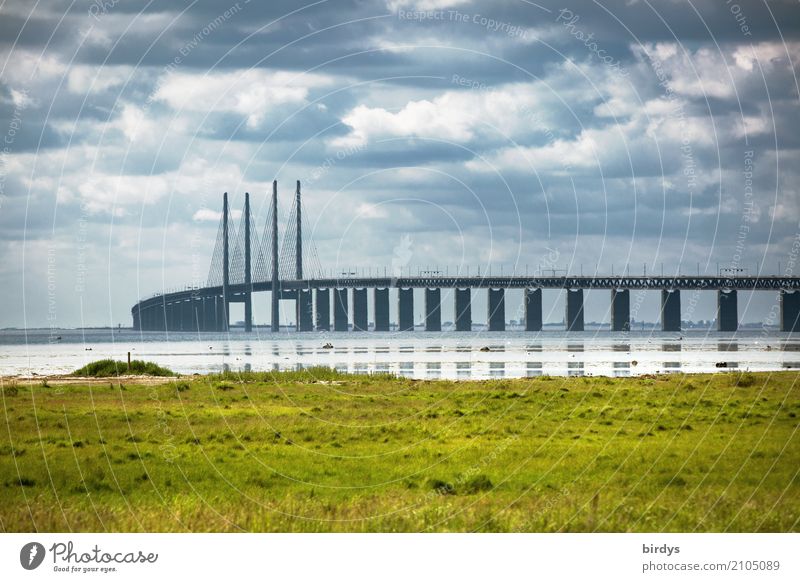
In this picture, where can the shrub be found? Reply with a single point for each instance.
(10, 390)
(224, 387)
(106, 368)
(744, 380)
(441, 487)
(182, 386)
(478, 483)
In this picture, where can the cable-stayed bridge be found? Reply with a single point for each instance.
(244, 263)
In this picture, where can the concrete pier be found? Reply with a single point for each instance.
(340, 310)
(463, 304)
(670, 310)
(381, 298)
(620, 310)
(433, 309)
(496, 317)
(305, 310)
(533, 310)
(222, 314)
(790, 311)
(574, 310)
(322, 301)
(727, 310)
(360, 316)
(188, 320)
(405, 309)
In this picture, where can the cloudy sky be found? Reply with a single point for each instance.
(567, 135)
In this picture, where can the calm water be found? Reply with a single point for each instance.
(476, 355)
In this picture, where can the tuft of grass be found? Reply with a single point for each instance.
(224, 386)
(477, 484)
(109, 368)
(744, 380)
(441, 487)
(182, 386)
(10, 390)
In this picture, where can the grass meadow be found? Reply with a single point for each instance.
(318, 451)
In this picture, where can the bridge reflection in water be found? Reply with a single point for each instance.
(244, 264)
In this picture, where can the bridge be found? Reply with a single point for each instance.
(244, 264)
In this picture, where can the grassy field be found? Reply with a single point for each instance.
(326, 452)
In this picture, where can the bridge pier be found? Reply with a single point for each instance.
(790, 310)
(221, 313)
(496, 317)
(360, 315)
(533, 309)
(187, 315)
(340, 310)
(433, 309)
(670, 310)
(305, 313)
(173, 317)
(574, 310)
(405, 309)
(322, 299)
(727, 310)
(209, 314)
(161, 316)
(620, 310)
(248, 312)
(463, 300)
(381, 297)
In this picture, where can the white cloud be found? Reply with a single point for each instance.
(252, 92)
(453, 115)
(395, 5)
(84, 78)
(208, 215)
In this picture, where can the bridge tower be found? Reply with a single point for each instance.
(248, 277)
(225, 265)
(276, 292)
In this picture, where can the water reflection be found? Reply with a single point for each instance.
(497, 369)
(533, 369)
(575, 369)
(450, 355)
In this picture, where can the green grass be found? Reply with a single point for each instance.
(109, 368)
(322, 451)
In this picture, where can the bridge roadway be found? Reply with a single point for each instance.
(206, 309)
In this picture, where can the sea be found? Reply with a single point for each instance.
(419, 354)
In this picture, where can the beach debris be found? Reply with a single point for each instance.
(327, 346)
(721, 365)
(634, 363)
(485, 349)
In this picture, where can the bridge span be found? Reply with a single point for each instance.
(341, 304)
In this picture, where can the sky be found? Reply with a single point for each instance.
(579, 136)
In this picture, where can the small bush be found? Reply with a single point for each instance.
(478, 483)
(744, 380)
(10, 390)
(441, 487)
(224, 387)
(108, 368)
(182, 386)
